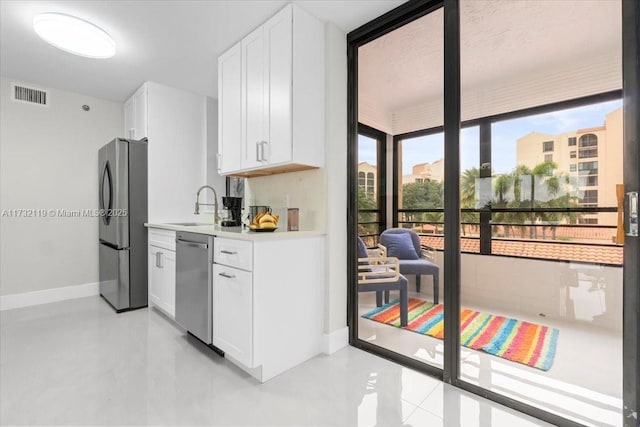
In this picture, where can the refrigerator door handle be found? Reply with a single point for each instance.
(106, 209)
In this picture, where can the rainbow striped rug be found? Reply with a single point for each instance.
(523, 342)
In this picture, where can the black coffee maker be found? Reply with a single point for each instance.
(234, 206)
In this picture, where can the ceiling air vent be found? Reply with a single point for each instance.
(30, 95)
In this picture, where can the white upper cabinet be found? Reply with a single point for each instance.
(281, 112)
(230, 110)
(135, 115)
(253, 97)
(175, 123)
(278, 47)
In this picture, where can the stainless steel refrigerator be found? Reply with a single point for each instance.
(122, 192)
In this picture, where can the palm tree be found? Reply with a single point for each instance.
(554, 185)
(544, 180)
(468, 195)
(505, 184)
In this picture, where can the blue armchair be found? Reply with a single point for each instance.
(404, 244)
(380, 274)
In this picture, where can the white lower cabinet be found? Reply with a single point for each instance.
(268, 302)
(162, 271)
(233, 312)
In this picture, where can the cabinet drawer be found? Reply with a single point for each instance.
(162, 238)
(234, 253)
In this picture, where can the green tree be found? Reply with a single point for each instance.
(468, 181)
(365, 201)
(526, 186)
(422, 195)
(508, 190)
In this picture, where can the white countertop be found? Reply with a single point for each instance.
(236, 232)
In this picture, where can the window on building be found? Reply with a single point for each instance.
(572, 154)
(590, 181)
(588, 140)
(548, 158)
(547, 146)
(590, 197)
(587, 153)
(588, 221)
(361, 180)
(572, 141)
(588, 168)
(371, 182)
(573, 167)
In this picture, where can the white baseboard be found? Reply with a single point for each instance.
(26, 299)
(335, 340)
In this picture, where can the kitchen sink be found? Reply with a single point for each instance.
(190, 224)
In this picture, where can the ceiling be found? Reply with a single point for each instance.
(171, 42)
(500, 41)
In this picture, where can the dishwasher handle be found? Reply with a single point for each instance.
(192, 244)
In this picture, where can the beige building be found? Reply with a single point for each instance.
(367, 179)
(591, 157)
(425, 172)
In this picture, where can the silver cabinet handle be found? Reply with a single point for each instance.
(159, 259)
(264, 156)
(192, 244)
(228, 276)
(631, 208)
(219, 162)
(224, 251)
(258, 151)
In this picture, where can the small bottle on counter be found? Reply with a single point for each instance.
(293, 219)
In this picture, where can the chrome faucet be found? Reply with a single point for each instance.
(214, 204)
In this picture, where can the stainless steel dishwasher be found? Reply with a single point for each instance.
(194, 257)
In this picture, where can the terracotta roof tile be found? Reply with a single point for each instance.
(603, 254)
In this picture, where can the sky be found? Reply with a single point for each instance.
(503, 135)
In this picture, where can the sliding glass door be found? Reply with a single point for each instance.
(515, 161)
(399, 300)
(541, 296)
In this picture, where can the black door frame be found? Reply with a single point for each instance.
(631, 156)
(381, 153)
(631, 100)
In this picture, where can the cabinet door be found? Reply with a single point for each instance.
(162, 279)
(140, 113)
(155, 277)
(253, 99)
(129, 118)
(278, 47)
(230, 110)
(233, 313)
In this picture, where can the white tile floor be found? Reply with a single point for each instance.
(584, 383)
(78, 363)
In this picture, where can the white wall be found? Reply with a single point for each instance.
(305, 190)
(567, 291)
(49, 160)
(336, 172)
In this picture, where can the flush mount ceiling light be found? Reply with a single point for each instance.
(74, 35)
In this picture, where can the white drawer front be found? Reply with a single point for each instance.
(162, 238)
(234, 253)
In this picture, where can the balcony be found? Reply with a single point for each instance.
(569, 278)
